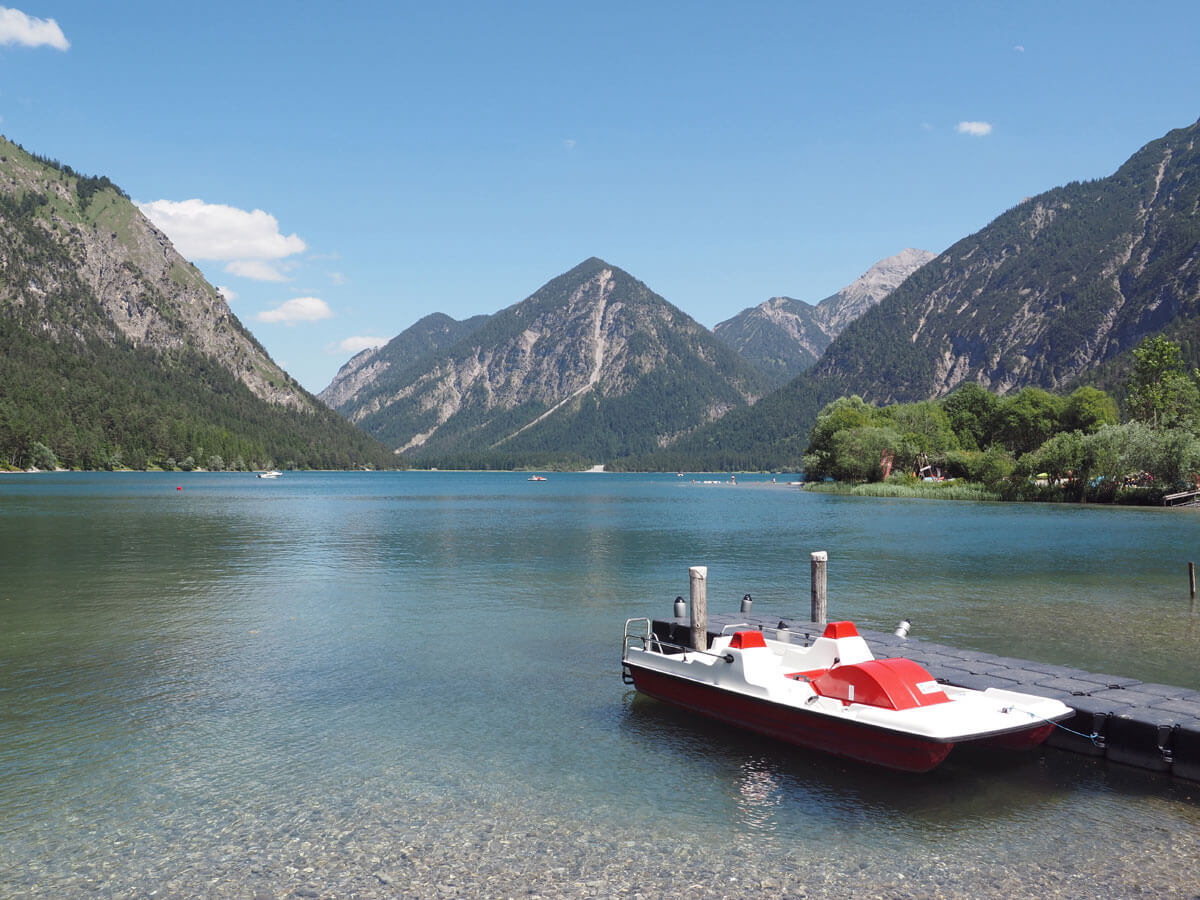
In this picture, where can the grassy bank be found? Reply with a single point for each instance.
(925, 490)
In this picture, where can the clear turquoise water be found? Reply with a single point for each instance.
(407, 672)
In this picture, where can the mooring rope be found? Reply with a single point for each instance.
(1094, 737)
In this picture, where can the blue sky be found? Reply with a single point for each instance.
(342, 170)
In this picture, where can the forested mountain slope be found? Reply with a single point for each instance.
(591, 367)
(114, 350)
(1056, 286)
(1052, 292)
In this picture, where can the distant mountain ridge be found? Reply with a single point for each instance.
(783, 336)
(364, 374)
(592, 366)
(117, 351)
(1050, 290)
(1053, 292)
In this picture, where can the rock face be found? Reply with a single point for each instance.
(115, 352)
(77, 243)
(592, 366)
(1051, 290)
(783, 337)
(370, 370)
(869, 289)
(1054, 293)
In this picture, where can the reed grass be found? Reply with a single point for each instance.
(925, 490)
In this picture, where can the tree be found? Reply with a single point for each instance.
(971, 410)
(1171, 457)
(1088, 409)
(1064, 459)
(1026, 421)
(992, 467)
(858, 452)
(41, 456)
(842, 414)
(1161, 392)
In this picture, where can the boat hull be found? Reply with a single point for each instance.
(1019, 740)
(893, 750)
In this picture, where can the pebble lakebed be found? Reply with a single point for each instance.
(446, 845)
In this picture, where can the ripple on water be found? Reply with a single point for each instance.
(231, 695)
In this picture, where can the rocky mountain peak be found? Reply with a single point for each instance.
(594, 363)
(839, 310)
(783, 336)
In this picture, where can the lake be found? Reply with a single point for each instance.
(408, 685)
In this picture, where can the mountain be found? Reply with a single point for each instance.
(377, 370)
(1053, 293)
(1053, 288)
(114, 350)
(783, 337)
(591, 367)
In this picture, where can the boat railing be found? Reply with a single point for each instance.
(646, 639)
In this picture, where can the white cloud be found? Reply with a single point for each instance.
(974, 129)
(256, 269)
(18, 28)
(1019, 48)
(228, 294)
(358, 343)
(247, 240)
(299, 309)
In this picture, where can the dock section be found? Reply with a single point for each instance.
(1151, 726)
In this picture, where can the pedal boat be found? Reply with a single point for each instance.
(833, 696)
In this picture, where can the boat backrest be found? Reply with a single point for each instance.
(753, 658)
(719, 643)
(827, 651)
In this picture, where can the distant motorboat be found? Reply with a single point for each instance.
(271, 474)
(537, 478)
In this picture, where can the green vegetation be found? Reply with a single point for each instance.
(1161, 391)
(1032, 445)
(76, 393)
(105, 406)
(897, 487)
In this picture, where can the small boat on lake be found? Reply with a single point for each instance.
(270, 474)
(537, 478)
(833, 695)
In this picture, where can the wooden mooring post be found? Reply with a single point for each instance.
(698, 576)
(820, 560)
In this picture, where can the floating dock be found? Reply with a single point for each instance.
(1151, 726)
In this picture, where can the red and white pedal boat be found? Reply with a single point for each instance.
(834, 696)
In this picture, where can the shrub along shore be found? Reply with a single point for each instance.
(1031, 445)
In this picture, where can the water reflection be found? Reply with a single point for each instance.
(779, 789)
(758, 794)
(240, 664)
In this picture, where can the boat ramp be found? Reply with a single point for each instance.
(1151, 726)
